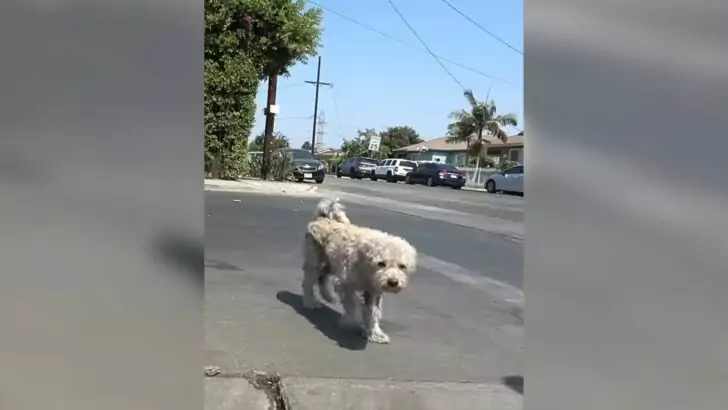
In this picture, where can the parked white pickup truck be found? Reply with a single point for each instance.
(393, 170)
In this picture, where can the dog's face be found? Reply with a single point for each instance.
(392, 264)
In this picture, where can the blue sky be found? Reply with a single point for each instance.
(379, 82)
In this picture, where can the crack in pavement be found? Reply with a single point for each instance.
(270, 384)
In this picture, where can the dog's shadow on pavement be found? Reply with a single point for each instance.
(326, 320)
(515, 383)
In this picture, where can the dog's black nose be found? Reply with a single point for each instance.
(392, 283)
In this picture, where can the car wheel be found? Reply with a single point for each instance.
(352, 174)
(457, 187)
(373, 176)
(320, 181)
(408, 180)
(490, 186)
(390, 178)
(338, 173)
(430, 181)
(300, 180)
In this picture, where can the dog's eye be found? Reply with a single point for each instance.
(402, 267)
(382, 264)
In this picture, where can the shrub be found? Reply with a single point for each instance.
(507, 164)
(280, 167)
(487, 162)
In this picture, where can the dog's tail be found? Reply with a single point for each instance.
(332, 209)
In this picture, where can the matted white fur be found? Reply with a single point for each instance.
(360, 263)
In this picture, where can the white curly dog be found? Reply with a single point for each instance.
(360, 263)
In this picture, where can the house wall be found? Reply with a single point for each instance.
(447, 157)
(506, 154)
(457, 158)
(515, 154)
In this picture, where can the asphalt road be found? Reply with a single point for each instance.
(507, 207)
(450, 325)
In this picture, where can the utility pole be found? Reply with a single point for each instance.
(270, 111)
(317, 83)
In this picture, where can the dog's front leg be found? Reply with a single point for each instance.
(351, 304)
(372, 318)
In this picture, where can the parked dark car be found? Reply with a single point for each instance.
(357, 167)
(434, 174)
(303, 165)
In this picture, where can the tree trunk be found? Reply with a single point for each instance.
(477, 159)
(269, 124)
(467, 153)
(477, 170)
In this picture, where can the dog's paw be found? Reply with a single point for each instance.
(312, 304)
(378, 337)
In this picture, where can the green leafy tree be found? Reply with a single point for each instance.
(359, 146)
(278, 34)
(306, 145)
(399, 136)
(472, 125)
(230, 83)
(247, 41)
(279, 141)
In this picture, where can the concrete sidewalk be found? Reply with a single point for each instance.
(299, 393)
(262, 187)
(223, 393)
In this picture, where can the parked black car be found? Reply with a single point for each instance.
(434, 174)
(357, 167)
(303, 165)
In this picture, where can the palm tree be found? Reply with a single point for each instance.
(469, 126)
(462, 129)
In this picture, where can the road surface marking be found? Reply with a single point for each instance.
(501, 292)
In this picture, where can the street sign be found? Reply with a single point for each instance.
(374, 142)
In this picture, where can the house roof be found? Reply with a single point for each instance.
(328, 151)
(441, 144)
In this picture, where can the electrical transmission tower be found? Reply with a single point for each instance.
(320, 125)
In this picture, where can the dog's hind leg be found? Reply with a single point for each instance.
(310, 280)
(372, 313)
(352, 306)
(312, 261)
(325, 286)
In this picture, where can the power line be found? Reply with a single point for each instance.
(404, 20)
(336, 112)
(478, 25)
(294, 118)
(405, 43)
(294, 85)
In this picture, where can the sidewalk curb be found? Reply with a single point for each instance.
(335, 394)
(228, 393)
(262, 187)
(253, 390)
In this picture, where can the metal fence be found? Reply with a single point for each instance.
(482, 177)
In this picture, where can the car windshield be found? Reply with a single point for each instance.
(298, 154)
(369, 161)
